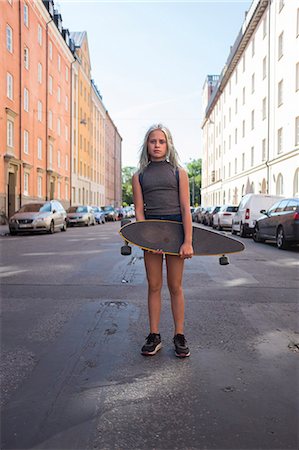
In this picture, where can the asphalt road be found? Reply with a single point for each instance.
(74, 318)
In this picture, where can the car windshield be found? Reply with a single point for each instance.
(34, 207)
(232, 209)
(95, 209)
(107, 208)
(77, 209)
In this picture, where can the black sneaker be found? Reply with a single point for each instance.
(152, 344)
(181, 347)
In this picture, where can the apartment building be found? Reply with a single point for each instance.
(35, 151)
(250, 123)
(113, 191)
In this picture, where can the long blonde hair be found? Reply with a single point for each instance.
(171, 155)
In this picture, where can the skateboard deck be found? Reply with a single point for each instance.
(168, 236)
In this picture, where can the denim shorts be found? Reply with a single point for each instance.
(172, 217)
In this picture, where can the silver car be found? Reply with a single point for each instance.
(80, 215)
(42, 216)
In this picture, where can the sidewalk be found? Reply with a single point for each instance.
(4, 230)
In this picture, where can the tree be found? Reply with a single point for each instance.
(127, 193)
(194, 174)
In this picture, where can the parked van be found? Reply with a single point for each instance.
(249, 211)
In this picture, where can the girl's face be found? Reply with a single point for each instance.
(157, 146)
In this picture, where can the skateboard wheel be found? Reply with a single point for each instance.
(125, 222)
(126, 250)
(223, 261)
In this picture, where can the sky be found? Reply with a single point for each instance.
(149, 59)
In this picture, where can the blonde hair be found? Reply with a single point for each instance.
(171, 155)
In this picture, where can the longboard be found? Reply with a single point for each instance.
(168, 236)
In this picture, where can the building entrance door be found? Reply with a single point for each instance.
(11, 193)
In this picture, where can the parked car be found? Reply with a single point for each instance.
(205, 214)
(110, 213)
(121, 213)
(249, 211)
(196, 215)
(280, 223)
(41, 216)
(80, 215)
(214, 210)
(99, 214)
(223, 218)
(130, 211)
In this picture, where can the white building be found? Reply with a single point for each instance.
(251, 117)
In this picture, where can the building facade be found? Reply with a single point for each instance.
(251, 117)
(113, 190)
(52, 119)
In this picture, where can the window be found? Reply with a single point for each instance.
(252, 83)
(280, 45)
(236, 165)
(66, 191)
(297, 27)
(264, 108)
(66, 162)
(26, 183)
(297, 131)
(9, 86)
(26, 142)
(280, 93)
(58, 127)
(39, 73)
(39, 186)
(243, 62)
(66, 103)
(236, 75)
(10, 134)
(252, 119)
(50, 50)
(236, 106)
(297, 77)
(243, 161)
(26, 100)
(59, 190)
(253, 46)
(58, 158)
(229, 169)
(50, 84)
(58, 94)
(279, 185)
(66, 73)
(264, 67)
(243, 128)
(264, 27)
(279, 140)
(236, 135)
(252, 156)
(50, 120)
(39, 148)
(39, 34)
(50, 155)
(9, 41)
(59, 63)
(39, 110)
(26, 15)
(229, 142)
(243, 95)
(26, 58)
(229, 114)
(66, 132)
(264, 150)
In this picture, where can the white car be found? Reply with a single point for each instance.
(249, 210)
(80, 215)
(223, 218)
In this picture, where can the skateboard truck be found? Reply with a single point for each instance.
(223, 260)
(126, 249)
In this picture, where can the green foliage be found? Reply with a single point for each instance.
(127, 194)
(194, 173)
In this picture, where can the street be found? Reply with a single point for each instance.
(74, 318)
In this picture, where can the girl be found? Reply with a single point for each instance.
(161, 191)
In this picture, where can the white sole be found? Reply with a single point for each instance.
(159, 346)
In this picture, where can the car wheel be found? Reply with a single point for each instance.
(219, 227)
(242, 230)
(233, 231)
(87, 223)
(52, 227)
(13, 232)
(64, 226)
(280, 239)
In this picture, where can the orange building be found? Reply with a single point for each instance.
(113, 177)
(35, 104)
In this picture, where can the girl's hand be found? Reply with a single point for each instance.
(186, 251)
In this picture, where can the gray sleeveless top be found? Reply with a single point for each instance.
(160, 188)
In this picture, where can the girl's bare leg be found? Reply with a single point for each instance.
(175, 267)
(153, 265)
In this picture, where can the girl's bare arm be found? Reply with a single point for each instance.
(138, 197)
(186, 250)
